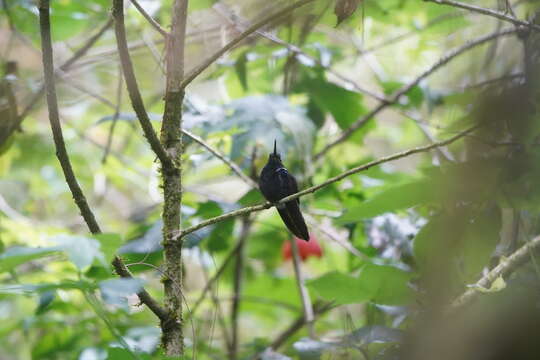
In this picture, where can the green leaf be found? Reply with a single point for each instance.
(118, 353)
(345, 106)
(17, 255)
(252, 197)
(45, 299)
(388, 284)
(80, 250)
(115, 291)
(341, 288)
(391, 199)
(429, 240)
(219, 238)
(26, 289)
(414, 97)
(381, 284)
(109, 244)
(481, 236)
(240, 66)
(209, 210)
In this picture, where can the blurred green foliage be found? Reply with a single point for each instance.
(426, 224)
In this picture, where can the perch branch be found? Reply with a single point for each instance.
(312, 189)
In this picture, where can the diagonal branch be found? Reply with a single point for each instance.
(133, 89)
(506, 267)
(312, 189)
(488, 12)
(63, 157)
(148, 18)
(63, 68)
(243, 24)
(406, 88)
(235, 168)
(250, 30)
(318, 309)
(56, 127)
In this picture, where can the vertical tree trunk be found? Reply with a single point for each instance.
(171, 139)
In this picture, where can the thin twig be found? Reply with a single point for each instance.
(63, 157)
(395, 39)
(217, 305)
(488, 12)
(235, 168)
(115, 117)
(253, 28)
(318, 309)
(133, 89)
(406, 88)
(343, 243)
(267, 205)
(238, 278)
(302, 289)
(506, 267)
(216, 276)
(63, 68)
(148, 18)
(243, 24)
(83, 89)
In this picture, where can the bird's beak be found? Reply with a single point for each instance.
(275, 148)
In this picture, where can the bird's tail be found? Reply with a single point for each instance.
(292, 217)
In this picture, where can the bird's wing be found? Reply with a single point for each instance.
(287, 183)
(290, 213)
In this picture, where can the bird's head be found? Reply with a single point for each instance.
(274, 157)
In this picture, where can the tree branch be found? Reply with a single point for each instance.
(148, 18)
(307, 306)
(406, 88)
(506, 267)
(243, 24)
(312, 189)
(235, 168)
(238, 278)
(171, 139)
(488, 12)
(63, 157)
(63, 68)
(52, 104)
(253, 28)
(318, 309)
(133, 89)
(213, 279)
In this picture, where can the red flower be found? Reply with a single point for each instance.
(306, 248)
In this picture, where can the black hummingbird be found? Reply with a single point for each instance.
(276, 183)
